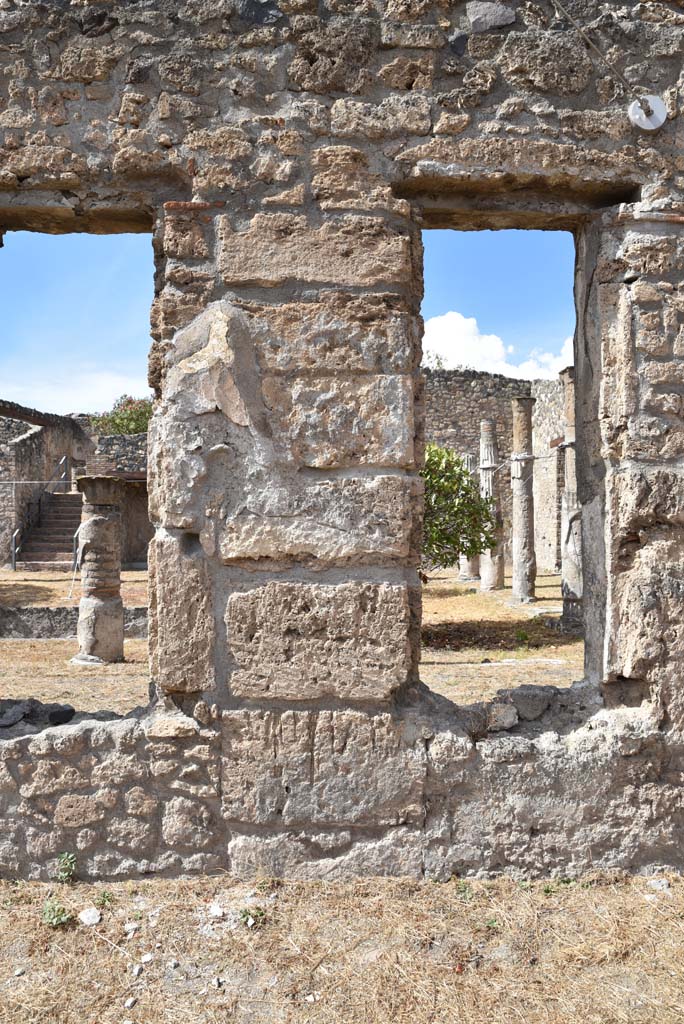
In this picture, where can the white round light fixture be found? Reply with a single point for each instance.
(649, 113)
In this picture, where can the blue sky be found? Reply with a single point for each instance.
(75, 310)
(500, 300)
(75, 319)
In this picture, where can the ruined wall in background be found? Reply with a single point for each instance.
(30, 460)
(137, 531)
(118, 453)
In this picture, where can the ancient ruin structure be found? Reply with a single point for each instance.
(455, 402)
(522, 485)
(100, 611)
(40, 456)
(492, 567)
(469, 568)
(571, 517)
(286, 155)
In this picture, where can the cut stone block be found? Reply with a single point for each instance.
(342, 520)
(281, 247)
(299, 641)
(334, 423)
(305, 767)
(396, 115)
(339, 332)
(181, 618)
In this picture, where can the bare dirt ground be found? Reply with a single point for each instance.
(51, 589)
(41, 669)
(473, 645)
(376, 951)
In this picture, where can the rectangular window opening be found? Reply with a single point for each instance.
(74, 348)
(499, 319)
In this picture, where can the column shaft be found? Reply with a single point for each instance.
(491, 562)
(571, 516)
(100, 612)
(469, 568)
(522, 485)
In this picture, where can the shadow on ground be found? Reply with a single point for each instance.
(20, 595)
(492, 634)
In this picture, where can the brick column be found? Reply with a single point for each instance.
(492, 561)
(571, 515)
(522, 484)
(100, 612)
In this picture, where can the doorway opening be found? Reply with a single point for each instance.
(499, 319)
(74, 407)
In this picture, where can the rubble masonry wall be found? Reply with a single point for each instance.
(286, 156)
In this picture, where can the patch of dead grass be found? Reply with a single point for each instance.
(42, 669)
(475, 644)
(373, 951)
(50, 589)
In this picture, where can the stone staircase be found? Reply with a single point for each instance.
(49, 545)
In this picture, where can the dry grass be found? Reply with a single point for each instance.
(51, 589)
(41, 669)
(475, 644)
(375, 951)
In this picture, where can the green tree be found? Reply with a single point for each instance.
(127, 416)
(457, 520)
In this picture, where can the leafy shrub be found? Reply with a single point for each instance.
(127, 416)
(55, 915)
(457, 520)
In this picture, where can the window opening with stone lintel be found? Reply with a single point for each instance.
(498, 361)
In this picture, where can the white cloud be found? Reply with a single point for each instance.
(456, 340)
(79, 391)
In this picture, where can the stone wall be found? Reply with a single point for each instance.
(59, 623)
(27, 463)
(135, 523)
(455, 403)
(10, 429)
(118, 453)
(286, 156)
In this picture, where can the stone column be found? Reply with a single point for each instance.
(522, 485)
(100, 612)
(469, 568)
(571, 515)
(491, 562)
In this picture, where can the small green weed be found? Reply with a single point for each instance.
(464, 891)
(55, 915)
(266, 886)
(522, 638)
(66, 867)
(253, 917)
(104, 899)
